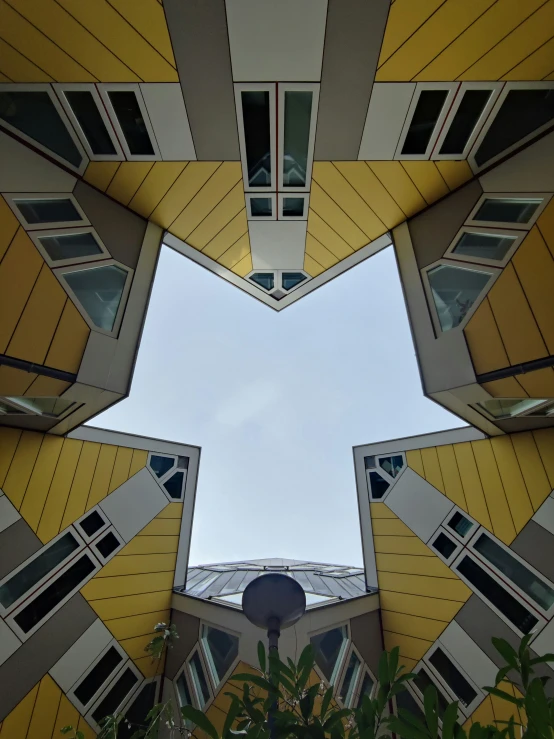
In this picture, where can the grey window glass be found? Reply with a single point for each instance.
(183, 691)
(460, 524)
(98, 676)
(52, 556)
(87, 114)
(8, 409)
(99, 291)
(454, 290)
(379, 486)
(264, 279)
(174, 485)
(107, 544)
(422, 681)
(350, 678)
(424, 120)
(293, 207)
(70, 246)
(514, 570)
(452, 677)
(160, 465)
(298, 115)
(199, 680)
(292, 279)
(136, 715)
(53, 210)
(510, 407)
(392, 465)
(546, 410)
(116, 695)
(507, 210)
(51, 596)
(261, 207)
(464, 121)
(255, 114)
(405, 701)
(484, 246)
(35, 115)
(444, 545)
(521, 113)
(222, 650)
(328, 648)
(92, 523)
(52, 407)
(366, 688)
(369, 463)
(129, 115)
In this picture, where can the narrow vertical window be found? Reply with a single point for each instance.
(88, 116)
(465, 119)
(428, 109)
(298, 115)
(131, 120)
(257, 138)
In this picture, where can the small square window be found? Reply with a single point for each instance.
(293, 207)
(379, 486)
(444, 545)
(392, 465)
(107, 544)
(460, 524)
(369, 463)
(265, 280)
(92, 523)
(261, 207)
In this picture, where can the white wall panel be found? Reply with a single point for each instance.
(9, 642)
(8, 512)
(81, 655)
(23, 170)
(276, 40)
(278, 244)
(471, 658)
(545, 515)
(386, 114)
(134, 504)
(545, 640)
(421, 506)
(168, 116)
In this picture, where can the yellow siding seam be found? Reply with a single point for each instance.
(544, 439)
(515, 488)
(493, 490)
(531, 467)
(451, 475)
(10, 439)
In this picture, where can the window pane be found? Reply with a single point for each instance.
(5, 409)
(264, 279)
(127, 110)
(367, 687)
(369, 463)
(298, 114)
(255, 113)
(55, 210)
(426, 114)
(379, 486)
(116, 695)
(515, 571)
(521, 113)
(99, 291)
(328, 649)
(32, 573)
(70, 246)
(422, 681)
(460, 524)
(392, 465)
(35, 115)
(444, 545)
(54, 594)
(497, 595)
(546, 410)
(222, 649)
(174, 485)
(507, 210)
(464, 122)
(98, 676)
(510, 407)
(160, 465)
(52, 407)
(454, 290)
(292, 279)
(452, 677)
(199, 679)
(86, 111)
(350, 677)
(107, 544)
(137, 713)
(261, 207)
(183, 691)
(406, 701)
(293, 207)
(484, 246)
(92, 523)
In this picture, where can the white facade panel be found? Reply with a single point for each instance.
(69, 668)
(278, 244)
(23, 170)
(168, 116)
(471, 658)
(8, 512)
(385, 118)
(545, 640)
(545, 515)
(418, 504)
(9, 643)
(276, 41)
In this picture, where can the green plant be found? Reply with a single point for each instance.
(164, 637)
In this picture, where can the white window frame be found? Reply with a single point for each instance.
(47, 88)
(36, 237)
(192, 686)
(342, 675)
(294, 194)
(336, 676)
(60, 90)
(161, 480)
(83, 707)
(487, 231)
(12, 197)
(447, 694)
(59, 272)
(135, 694)
(18, 403)
(494, 273)
(215, 684)
(278, 280)
(107, 523)
(465, 710)
(257, 87)
(524, 414)
(495, 88)
(508, 87)
(451, 88)
(111, 530)
(363, 672)
(100, 697)
(183, 672)
(457, 546)
(545, 196)
(282, 88)
(386, 477)
(253, 195)
(455, 534)
(106, 87)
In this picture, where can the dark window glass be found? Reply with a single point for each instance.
(116, 695)
(160, 465)
(460, 524)
(422, 681)
(223, 649)
(379, 486)
(174, 485)
(392, 465)
(292, 279)
(35, 115)
(507, 210)
(350, 677)
(424, 120)
(521, 113)
(444, 545)
(70, 246)
(99, 290)
(261, 207)
(406, 701)
(54, 593)
(86, 111)
(497, 595)
(183, 691)
(367, 687)
(98, 676)
(107, 544)
(484, 246)
(127, 110)
(328, 650)
(137, 712)
(56, 210)
(464, 122)
(293, 207)
(92, 523)
(369, 463)
(298, 114)
(255, 114)
(199, 679)
(452, 677)
(31, 574)
(264, 279)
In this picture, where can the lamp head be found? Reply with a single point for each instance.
(272, 598)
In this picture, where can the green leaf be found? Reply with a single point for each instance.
(393, 662)
(501, 674)
(524, 643)
(232, 712)
(261, 656)
(326, 702)
(545, 658)
(306, 705)
(384, 670)
(66, 729)
(430, 700)
(405, 730)
(200, 719)
(449, 720)
(335, 717)
(261, 682)
(409, 718)
(505, 696)
(306, 660)
(507, 651)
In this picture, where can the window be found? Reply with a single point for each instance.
(161, 464)
(221, 650)
(261, 207)
(501, 408)
(116, 695)
(452, 677)
(136, 715)
(132, 120)
(422, 681)
(454, 292)
(444, 545)
(256, 117)
(84, 106)
(381, 473)
(199, 681)
(174, 485)
(507, 210)
(467, 116)
(392, 465)
(70, 246)
(183, 691)
(460, 524)
(485, 246)
(171, 472)
(39, 211)
(366, 688)
(91, 684)
(107, 545)
(296, 137)
(92, 523)
(291, 280)
(425, 117)
(315, 599)
(378, 485)
(350, 678)
(293, 207)
(266, 280)
(47, 407)
(405, 701)
(329, 650)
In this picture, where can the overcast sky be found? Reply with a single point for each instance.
(276, 401)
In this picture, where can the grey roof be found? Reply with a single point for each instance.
(225, 579)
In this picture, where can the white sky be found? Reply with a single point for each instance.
(276, 401)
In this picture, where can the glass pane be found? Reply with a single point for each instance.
(174, 485)
(426, 115)
(292, 279)
(222, 649)
(392, 465)
(298, 115)
(444, 545)
(107, 544)
(497, 595)
(328, 649)
(369, 463)
(484, 246)
(264, 279)
(199, 679)
(89, 118)
(422, 681)
(261, 207)
(41, 566)
(452, 677)
(53, 407)
(116, 696)
(54, 594)
(407, 702)
(507, 210)
(314, 599)
(160, 465)
(521, 113)
(127, 110)
(464, 122)
(98, 675)
(135, 717)
(70, 246)
(460, 524)
(92, 523)
(515, 571)
(546, 410)
(293, 207)
(350, 677)
(454, 290)
(510, 407)
(255, 114)
(35, 115)
(99, 291)
(367, 687)
(379, 486)
(183, 691)
(55, 210)
(5, 409)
